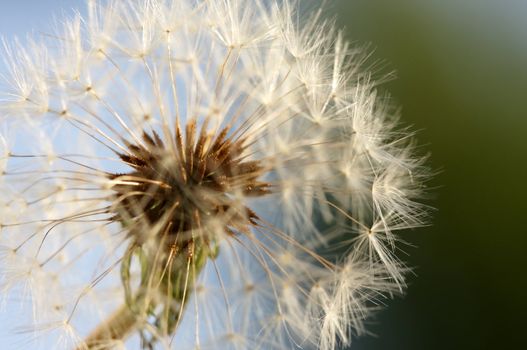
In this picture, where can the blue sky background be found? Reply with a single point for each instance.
(20, 17)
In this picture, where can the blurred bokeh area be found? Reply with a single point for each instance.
(461, 80)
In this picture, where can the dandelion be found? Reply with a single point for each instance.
(189, 174)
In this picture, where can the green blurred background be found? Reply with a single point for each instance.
(462, 81)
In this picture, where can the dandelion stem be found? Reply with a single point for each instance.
(175, 277)
(117, 327)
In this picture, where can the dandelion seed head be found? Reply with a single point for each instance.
(200, 174)
(186, 186)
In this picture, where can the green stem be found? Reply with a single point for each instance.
(118, 326)
(165, 287)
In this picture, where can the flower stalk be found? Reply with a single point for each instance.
(162, 294)
(118, 326)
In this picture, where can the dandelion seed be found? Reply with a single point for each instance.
(199, 174)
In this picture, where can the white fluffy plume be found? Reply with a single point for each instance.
(186, 174)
